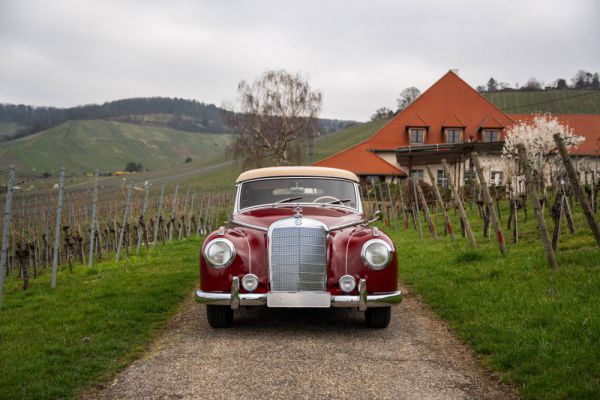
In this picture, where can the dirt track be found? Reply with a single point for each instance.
(321, 354)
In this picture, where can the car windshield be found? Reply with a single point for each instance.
(298, 190)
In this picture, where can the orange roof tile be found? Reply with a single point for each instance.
(587, 125)
(417, 121)
(450, 95)
(361, 161)
(453, 122)
(490, 122)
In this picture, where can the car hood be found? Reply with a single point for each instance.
(330, 216)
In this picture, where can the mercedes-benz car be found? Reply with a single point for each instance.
(298, 237)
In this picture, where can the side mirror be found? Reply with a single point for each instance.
(377, 217)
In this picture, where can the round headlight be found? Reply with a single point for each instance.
(376, 254)
(347, 283)
(219, 253)
(250, 282)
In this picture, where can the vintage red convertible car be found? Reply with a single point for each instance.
(298, 238)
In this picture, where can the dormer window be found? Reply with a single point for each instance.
(416, 135)
(454, 135)
(490, 135)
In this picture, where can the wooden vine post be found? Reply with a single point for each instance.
(93, 221)
(438, 196)
(459, 204)
(416, 212)
(6, 226)
(61, 184)
(489, 202)
(405, 220)
(173, 213)
(125, 219)
(537, 208)
(143, 230)
(393, 207)
(430, 223)
(159, 214)
(587, 210)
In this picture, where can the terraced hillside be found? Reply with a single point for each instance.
(553, 101)
(81, 146)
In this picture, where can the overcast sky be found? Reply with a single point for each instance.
(360, 54)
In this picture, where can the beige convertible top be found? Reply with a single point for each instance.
(296, 171)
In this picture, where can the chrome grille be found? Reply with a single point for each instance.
(298, 258)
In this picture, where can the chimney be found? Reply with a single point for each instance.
(454, 70)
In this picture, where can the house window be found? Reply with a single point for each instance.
(453, 135)
(418, 173)
(442, 179)
(496, 178)
(490, 135)
(417, 135)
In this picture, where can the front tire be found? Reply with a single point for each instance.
(219, 316)
(378, 317)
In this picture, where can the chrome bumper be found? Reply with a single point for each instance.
(362, 301)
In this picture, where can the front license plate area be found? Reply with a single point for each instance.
(299, 300)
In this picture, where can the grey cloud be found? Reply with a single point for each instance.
(360, 54)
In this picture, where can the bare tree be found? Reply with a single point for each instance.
(407, 96)
(276, 114)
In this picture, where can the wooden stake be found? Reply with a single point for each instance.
(125, 219)
(459, 204)
(93, 221)
(438, 196)
(587, 211)
(537, 208)
(57, 229)
(425, 208)
(6, 226)
(490, 203)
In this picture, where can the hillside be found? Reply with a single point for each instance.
(553, 101)
(181, 114)
(330, 144)
(81, 146)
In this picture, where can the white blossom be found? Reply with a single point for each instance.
(537, 137)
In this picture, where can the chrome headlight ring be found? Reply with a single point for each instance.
(376, 254)
(219, 253)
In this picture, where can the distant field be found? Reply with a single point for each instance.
(553, 101)
(82, 146)
(338, 141)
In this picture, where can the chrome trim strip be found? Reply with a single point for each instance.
(260, 299)
(347, 225)
(250, 226)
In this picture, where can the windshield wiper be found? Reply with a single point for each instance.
(288, 199)
(337, 201)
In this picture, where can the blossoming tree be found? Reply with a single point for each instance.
(536, 137)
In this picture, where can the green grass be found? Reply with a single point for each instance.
(341, 140)
(554, 101)
(82, 146)
(56, 343)
(539, 328)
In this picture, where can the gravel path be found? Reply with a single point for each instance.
(322, 354)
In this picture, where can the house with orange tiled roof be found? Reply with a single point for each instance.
(448, 121)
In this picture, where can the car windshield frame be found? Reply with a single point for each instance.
(239, 209)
